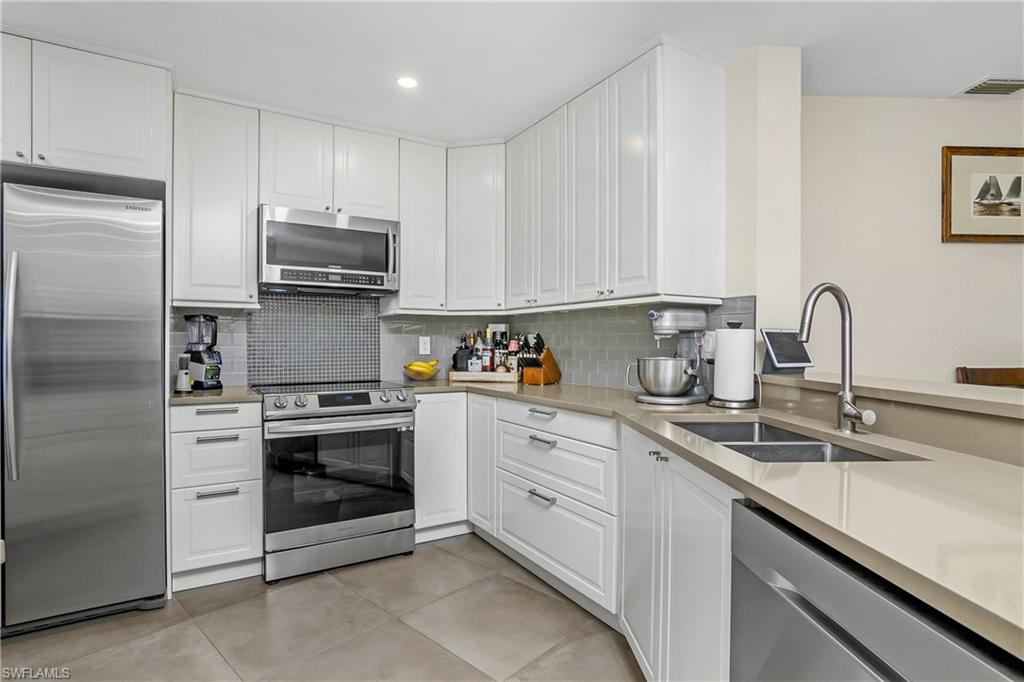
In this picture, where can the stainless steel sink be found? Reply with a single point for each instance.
(767, 443)
(801, 452)
(742, 432)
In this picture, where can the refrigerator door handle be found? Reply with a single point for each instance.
(10, 441)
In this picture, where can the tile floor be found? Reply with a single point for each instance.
(457, 609)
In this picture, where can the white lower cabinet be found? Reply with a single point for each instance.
(440, 459)
(572, 541)
(216, 477)
(675, 564)
(481, 446)
(215, 525)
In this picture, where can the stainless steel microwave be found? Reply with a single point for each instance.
(304, 250)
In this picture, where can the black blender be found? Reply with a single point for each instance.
(204, 360)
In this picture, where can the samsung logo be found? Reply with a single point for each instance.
(138, 207)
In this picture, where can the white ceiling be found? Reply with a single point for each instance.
(488, 70)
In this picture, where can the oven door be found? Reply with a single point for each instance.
(337, 477)
(307, 248)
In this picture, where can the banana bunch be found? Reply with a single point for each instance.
(420, 370)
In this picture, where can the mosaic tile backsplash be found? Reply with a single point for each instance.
(311, 338)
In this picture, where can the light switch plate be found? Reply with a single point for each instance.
(424, 345)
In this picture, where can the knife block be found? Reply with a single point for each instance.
(548, 373)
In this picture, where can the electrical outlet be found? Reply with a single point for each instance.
(424, 345)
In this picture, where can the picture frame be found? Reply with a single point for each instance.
(981, 194)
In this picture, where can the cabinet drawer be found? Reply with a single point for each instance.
(585, 472)
(216, 524)
(209, 457)
(576, 543)
(210, 417)
(584, 427)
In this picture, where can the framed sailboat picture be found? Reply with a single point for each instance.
(981, 194)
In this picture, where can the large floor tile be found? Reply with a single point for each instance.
(202, 600)
(470, 546)
(403, 583)
(520, 574)
(57, 646)
(497, 624)
(289, 624)
(180, 652)
(595, 652)
(394, 651)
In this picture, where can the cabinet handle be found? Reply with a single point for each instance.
(20, 155)
(204, 494)
(654, 453)
(218, 439)
(499, 304)
(661, 458)
(231, 409)
(441, 304)
(42, 157)
(549, 500)
(327, 208)
(611, 291)
(545, 413)
(545, 441)
(339, 210)
(600, 292)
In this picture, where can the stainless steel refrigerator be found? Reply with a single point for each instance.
(83, 372)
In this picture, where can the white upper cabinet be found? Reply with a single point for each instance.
(549, 223)
(296, 162)
(100, 114)
(422, 242)
(587, 190)
(16, 94)
(365, 174)
(476, 228)
(214, 238)
(632, 121)
(520, 216)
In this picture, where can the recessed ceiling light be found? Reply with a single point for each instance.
(407, 82)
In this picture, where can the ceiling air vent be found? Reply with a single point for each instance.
(996, 86)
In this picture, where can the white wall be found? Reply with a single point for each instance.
(871, 223)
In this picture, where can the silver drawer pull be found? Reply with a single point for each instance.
(230, 409)
(218, 439)
(549, 500)
(545, 441)
(205, 494)
(546, 413)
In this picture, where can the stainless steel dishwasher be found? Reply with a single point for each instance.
(801, 611)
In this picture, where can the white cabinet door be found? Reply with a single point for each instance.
(16, 93)
(632, 120)
(440, 459)
(519, 259)
(481, 443)
(296, 162)
(100, 114)
(641, 551)
(476, 228)
(365, 174)
(216, 171)
(216, 524)
(422, 242)
(587, 194)
(697, 559)
(550, 210)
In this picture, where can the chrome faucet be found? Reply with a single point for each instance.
(847, 412)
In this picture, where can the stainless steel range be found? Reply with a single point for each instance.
(338, 474)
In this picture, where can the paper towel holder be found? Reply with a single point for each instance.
(739, 404)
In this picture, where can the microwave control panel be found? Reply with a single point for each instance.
(335, 278)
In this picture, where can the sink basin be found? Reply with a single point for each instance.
(802, 452)
(746, 432)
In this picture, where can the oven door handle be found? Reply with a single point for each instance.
(319, 428)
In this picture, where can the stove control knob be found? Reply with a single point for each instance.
(301, 401)
(385, 397)
(280, 402)
(402, 397)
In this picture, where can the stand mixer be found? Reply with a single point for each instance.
(676, 380)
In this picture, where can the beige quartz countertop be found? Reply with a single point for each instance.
(947, 528)
(228, 394)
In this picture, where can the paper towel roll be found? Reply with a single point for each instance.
(734, 364)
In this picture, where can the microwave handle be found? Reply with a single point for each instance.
(392, 254)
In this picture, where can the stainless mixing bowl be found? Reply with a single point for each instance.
(664, 376)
